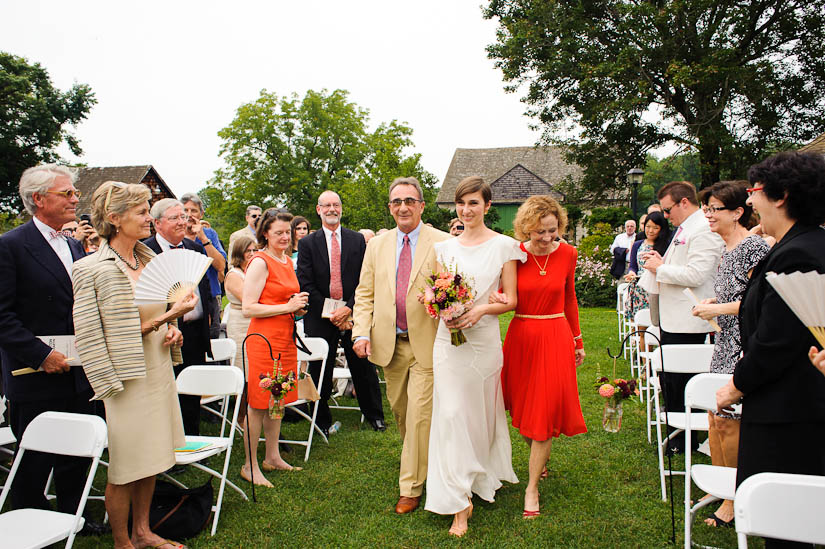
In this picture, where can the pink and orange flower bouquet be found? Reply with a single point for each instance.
(447, 296)
(278, 385)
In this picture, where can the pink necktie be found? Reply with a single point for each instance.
(336, 290)
(402, 280)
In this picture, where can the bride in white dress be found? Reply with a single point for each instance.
(469, 438)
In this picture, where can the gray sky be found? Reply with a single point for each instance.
(168, 75)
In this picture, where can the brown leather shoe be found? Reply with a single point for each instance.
(406, 505)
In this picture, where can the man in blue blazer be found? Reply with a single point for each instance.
(170, 227)
(36, 300)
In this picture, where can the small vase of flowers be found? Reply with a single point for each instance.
(614, 393)
(278, 385)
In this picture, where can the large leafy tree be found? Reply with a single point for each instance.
(287, 150)
(35, 118)
(729, 79)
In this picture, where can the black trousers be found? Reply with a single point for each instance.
(794, 448)
(69, 472)
(364, 378)
(194, 352)
(673, 385)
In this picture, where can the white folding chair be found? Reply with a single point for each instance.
(7, 438)
(318, 348)
(211, 380)
(780, 506)
(678, 359)
(341, 372)
(621, 294)
(646, 383)
(718, 482)
(223, 349)
(641, 320)
(79, 435)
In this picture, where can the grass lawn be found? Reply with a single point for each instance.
(603, 489)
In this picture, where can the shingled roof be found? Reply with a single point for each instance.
(540, 170)
(89, 179)
(815, 146)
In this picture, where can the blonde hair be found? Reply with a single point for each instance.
(533, 210)
(115, 197)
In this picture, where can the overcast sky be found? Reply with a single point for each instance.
(168, 75)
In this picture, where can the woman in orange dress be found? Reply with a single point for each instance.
(271, 297)
(543, 346)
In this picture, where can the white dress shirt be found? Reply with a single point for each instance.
(197, 312)
(623, 240)
(58, 244)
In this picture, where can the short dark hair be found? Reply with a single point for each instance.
(799, 178)
(663, 238)
(270, 216)
(474, 184)
(407, 181)
(677, 190)
(733, 195)
(239, 246)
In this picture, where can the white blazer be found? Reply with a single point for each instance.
(690, 261)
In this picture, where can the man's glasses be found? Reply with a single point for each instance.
(335, 205)
(667, 210)
(408, 202)
(176, 218)
(254, 216)
(67, 194)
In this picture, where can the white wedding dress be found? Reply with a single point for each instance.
(470, 448)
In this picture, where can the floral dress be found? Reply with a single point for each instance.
(637, 298)
(731, 280)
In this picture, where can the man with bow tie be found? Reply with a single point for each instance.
(690, 261)
(36, 300)
(170, 226)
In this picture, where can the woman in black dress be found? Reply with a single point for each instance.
(783, 396)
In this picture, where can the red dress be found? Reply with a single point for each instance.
(539, 373)
(281, 283)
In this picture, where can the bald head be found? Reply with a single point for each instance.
(329, 209)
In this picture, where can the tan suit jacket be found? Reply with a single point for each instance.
(374, 312)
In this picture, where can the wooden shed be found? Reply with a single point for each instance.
(514, 174)
(89, 179)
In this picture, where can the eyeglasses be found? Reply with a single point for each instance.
(176, 218)
(67, 194)
(335, 205)
(408, 202)
(714, 209)
(667, 210)
(753, 190)
(254, 216)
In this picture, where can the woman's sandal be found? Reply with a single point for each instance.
(457, 532)
(175, 544)
(544, 473)
(717, 522)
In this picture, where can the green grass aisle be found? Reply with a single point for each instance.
(603, 489)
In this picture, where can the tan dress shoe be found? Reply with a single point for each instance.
(407, 505)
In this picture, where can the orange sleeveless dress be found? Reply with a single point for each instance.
(280, 285)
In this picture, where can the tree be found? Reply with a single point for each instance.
(34, 116)
(286, 150)
(732, 80)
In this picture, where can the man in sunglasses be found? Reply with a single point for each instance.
(253, 213)
(36, 300)
(689, 262)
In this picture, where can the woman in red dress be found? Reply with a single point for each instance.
(271, 297)
(543, 346)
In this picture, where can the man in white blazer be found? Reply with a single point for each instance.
(393, 329)
(690, 261)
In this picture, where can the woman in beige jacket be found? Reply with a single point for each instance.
(127, 353)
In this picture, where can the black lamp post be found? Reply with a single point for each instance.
(634, 177)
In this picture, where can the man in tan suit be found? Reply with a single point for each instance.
(252, 215)
(397, 334)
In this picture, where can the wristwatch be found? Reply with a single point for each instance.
(207, 243)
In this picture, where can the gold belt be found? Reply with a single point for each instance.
(541, 317)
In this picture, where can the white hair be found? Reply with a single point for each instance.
(40, 179)
(159, 208)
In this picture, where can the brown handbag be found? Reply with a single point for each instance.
(307, 390)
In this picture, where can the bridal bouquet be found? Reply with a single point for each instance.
(448, 296)
(278, 385)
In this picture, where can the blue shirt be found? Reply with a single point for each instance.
(211, 273)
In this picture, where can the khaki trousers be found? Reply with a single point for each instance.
(410, 392)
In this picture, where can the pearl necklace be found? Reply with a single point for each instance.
(134, 254)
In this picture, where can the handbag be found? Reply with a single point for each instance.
(180, 513)
(307, 390)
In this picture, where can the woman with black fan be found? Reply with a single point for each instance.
(127, 353)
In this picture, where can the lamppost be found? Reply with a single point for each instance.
(634, 177)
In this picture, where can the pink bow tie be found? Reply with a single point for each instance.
(56, 234)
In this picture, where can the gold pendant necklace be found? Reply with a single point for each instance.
(542, 270)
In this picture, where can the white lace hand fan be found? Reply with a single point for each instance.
(170, 276)
(804, 293)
